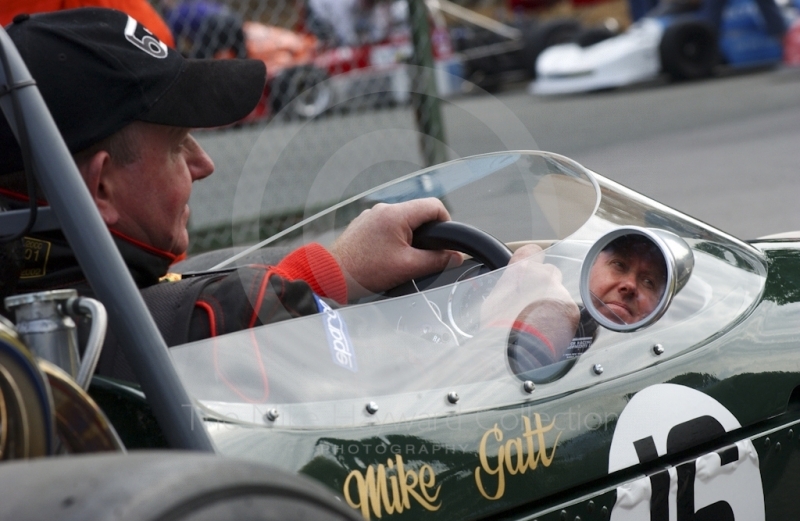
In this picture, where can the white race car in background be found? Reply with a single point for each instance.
(673, 39)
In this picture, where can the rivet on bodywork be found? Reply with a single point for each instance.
(778, 447)
(658, 349)
(529, 386)
(604, 512)
(372, 407)
(766, 442)
(272, 415)
(563, 514)
(590, 506)
(597, 368)
(790, 433)
(452, 397)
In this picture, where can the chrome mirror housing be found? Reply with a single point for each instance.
(631, 274)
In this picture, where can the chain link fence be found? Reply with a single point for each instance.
(352, 101)
(353, 93)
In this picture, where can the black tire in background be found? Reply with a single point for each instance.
(302, 91)
(161, 486)
(526, 27)
(546, 35)
(486, 71)
(689, 50)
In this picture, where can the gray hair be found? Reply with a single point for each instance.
(123, 146)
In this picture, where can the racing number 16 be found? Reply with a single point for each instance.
(680, 437)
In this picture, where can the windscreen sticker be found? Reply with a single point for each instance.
(36, 254)
(339, 343)
(578, 346)
(665, 419)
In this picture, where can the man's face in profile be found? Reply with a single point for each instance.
(627, 282)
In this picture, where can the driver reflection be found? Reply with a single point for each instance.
(628, 279)
(530, 305)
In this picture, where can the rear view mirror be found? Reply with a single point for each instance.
(630, 275)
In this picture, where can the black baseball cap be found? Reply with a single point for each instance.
(99, 70)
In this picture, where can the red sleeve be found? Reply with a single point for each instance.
(316, 266)
(11, 8)
(141, 10)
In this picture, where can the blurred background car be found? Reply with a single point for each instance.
(499, 47)
(675, 38)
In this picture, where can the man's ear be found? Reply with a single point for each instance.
(98, 173)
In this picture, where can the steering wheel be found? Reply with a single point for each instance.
(451, 235)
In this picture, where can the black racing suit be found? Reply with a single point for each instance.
(192, 308)
(528, 350)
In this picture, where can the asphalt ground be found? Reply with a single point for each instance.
(725, 150)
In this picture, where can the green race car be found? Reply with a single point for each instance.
(408, 406)
(413, 404)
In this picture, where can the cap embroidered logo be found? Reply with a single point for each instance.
(130, 74)
(148, 43)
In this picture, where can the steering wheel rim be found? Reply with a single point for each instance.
(452, 235)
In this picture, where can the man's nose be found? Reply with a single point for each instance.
(199, 162)
(627, 285)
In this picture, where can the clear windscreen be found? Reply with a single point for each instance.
(443, 346)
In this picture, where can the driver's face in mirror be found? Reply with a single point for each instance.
(628, 279)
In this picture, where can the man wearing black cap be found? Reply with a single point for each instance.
(124, 103)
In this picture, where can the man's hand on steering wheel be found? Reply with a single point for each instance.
(528, 295)
(375, 251)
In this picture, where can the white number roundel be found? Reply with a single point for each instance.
(724, 485)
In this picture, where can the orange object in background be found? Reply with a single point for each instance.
(278, 48)
(141, 10)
